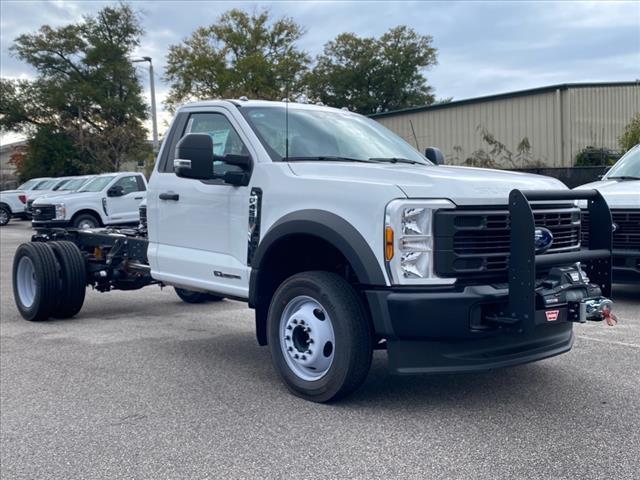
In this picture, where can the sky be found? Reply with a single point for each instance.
(483, 47)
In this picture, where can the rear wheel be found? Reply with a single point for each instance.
(35, 281)
(319, 336)
(73, 274)
(85, 221)
(189, 296)
(5, 215)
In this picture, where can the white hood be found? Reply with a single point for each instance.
(461, 185)
(618, 193)
(61, 197)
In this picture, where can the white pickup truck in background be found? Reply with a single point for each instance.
(343, 239)
(620, 187)
(107, 199)
(13, 203)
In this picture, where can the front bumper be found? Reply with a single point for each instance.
(626, 266)
(42, 224)
(443, 331)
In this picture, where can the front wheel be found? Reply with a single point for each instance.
(85, 221)
(319, 336)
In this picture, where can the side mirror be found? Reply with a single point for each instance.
(434, 155)
(115, 191)
(242, 161)
(194, 157)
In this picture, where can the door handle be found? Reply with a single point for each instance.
(137, 198)
(169, 196)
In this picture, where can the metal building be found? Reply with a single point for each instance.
(551, 125)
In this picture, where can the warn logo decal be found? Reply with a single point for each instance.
(552, 315)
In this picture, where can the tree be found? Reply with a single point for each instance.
(631, 135)
(86, 95)
(372, 75)
(241, 54)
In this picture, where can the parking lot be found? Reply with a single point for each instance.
(141, 385)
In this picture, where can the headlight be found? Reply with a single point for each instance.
(61, 211)
(409, 241)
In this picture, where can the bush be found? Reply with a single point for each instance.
(594, 157)
(631, 135)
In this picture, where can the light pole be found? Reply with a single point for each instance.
(154, 117)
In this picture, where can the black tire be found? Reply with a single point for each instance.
(353, 336)
(46, 280)
(85, 218)
(73, 279)
(189, 296)
(5, 215)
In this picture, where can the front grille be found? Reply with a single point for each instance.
(44, 212)
(476, 243)
(627, 233)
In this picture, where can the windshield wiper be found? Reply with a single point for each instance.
(394, 160)
(624, 177)
(325, 159)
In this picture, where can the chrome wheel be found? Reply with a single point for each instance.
(307, 339)
(86, 224)
(26, 282)
(4, 216)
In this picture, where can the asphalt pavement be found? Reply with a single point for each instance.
(141, 385)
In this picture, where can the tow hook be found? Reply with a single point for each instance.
(596, 310)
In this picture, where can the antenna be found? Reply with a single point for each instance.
(415, 138)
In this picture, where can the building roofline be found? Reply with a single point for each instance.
(503, 96)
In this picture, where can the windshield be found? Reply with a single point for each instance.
(28, 185)
(97, 184)
(60, 184)
(628, 166)
(73, 185)
(326, 135)
(48, 185)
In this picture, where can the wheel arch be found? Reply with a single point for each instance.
(6, 205)
(331, 242)
(90, 211)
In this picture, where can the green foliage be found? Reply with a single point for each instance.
(370, 75)
(498, 155)
(631, 135)
(86, 91)
(592, 156)
(50, 153)
(241, 54)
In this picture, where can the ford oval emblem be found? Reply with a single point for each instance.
(543, 239)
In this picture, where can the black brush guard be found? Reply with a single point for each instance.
(523, 261)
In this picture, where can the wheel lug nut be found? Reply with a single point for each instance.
(303, 357)
(309, 352)
(296, 356)
(295, 322)
(310, 341)
(289, 327)
(287, 337)
(301, 322)
(290, 349)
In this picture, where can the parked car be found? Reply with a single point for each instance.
(620, 186)
(13, 202)
(107, 199)
(62, 186)
(342, 238)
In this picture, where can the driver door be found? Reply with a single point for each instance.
(124, 208)
(201, 228)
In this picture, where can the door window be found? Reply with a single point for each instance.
(225, 139)
(129, 184)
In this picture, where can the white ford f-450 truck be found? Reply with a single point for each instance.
(343, 239)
